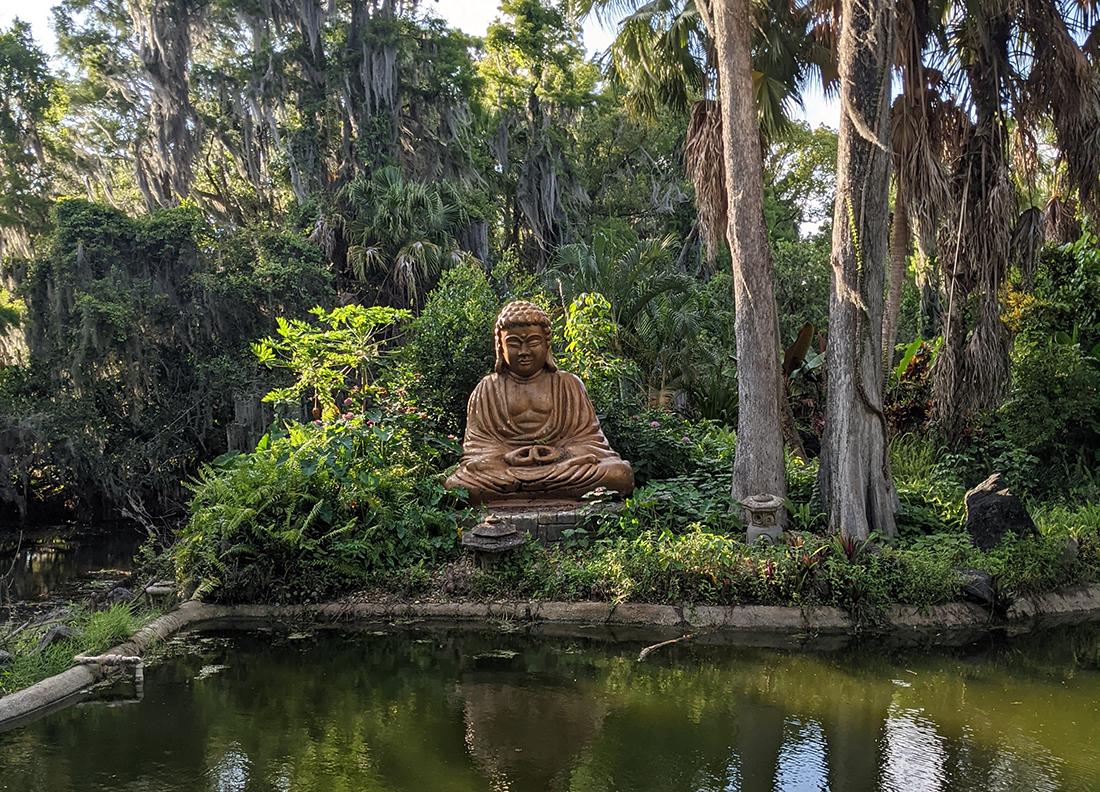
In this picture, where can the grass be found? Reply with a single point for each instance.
(101, 630)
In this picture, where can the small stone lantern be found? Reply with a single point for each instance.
(762, 517)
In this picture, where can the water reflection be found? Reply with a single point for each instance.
(48, 560)
(460, 711)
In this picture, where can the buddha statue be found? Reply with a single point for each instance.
(531, 432)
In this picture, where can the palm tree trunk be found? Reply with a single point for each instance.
(856, 484)
(758, 463)
(899, 250)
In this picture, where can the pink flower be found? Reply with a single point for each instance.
(421, 415)
(370, 424)
(634, 417)
(348, 416)
(317, 423)
(654, 424)
(451, 437)
(685, 439)
(347, 402)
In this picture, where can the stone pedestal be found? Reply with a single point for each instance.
(506, 527)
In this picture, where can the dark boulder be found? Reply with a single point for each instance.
(59, 632)
(119, 594)
(992, 511)
(976, 585)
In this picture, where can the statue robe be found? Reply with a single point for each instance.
(570, 432)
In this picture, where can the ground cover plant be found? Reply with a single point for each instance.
(94, 631)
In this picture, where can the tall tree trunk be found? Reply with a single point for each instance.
(855, 467)
(758, 463)
(899, 251)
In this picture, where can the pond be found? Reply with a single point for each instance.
(403, 709)
(40, 564)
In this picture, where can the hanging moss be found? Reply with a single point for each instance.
(138, 333)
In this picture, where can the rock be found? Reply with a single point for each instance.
(59, 632)
(992, 511)
(119, 594)
(976, 585)
(6, 658)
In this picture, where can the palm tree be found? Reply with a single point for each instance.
(628, 279)
(746, 73)
(651, 305)
(1001, 72)
(856, 484)
(402, 234)
(666, 57)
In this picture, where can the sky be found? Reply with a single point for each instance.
(470, 16)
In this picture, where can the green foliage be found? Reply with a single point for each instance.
(656, 442)
(633, 172)
(805, 510)
(591, 338)
(450, 345)
(26, 114)
(98, 631)
(928, 486)
(401, 233)
(799, 182)
(138, 336)
(318, 508)
(329, 359)
(801, 272)
(1051, 418)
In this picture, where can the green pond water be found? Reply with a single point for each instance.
(405, 709)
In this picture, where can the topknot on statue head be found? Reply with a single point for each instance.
(520, 313)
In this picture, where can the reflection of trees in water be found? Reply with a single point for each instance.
(46, 563)
(418, 713)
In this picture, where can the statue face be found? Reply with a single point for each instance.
(525, 348)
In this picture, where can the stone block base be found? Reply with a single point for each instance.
(546, 523)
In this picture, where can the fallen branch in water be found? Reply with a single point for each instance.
(645, 652)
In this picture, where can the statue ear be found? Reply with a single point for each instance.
(550, 364)
(498, 351)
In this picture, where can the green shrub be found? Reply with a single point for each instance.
(1051, 418)
(657, 443)
(320, 507)
(450, 344)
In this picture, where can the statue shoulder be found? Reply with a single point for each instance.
(490, 380)
(570, 379)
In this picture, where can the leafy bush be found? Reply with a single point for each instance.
(319, 507)
(1051, 418)
(316, 510)
(451, 343)
(657, 443)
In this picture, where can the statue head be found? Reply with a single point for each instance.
(521, 337)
